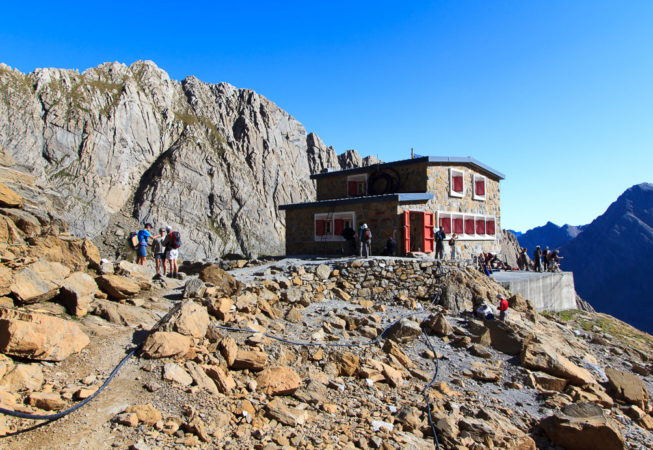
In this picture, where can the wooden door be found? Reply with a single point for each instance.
(429, 224)
(406, 231)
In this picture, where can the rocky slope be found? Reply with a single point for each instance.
(611, 258)
(126, 144)
(549, 235)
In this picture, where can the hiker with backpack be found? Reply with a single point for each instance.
(439, 237)
(143, 241)
(366, 240)
(172, 242)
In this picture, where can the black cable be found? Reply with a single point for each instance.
(51, 417)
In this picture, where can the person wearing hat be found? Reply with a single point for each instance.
(158, 250)
(503, 307)
(143, 241)
(537, 256)
(485, 312)
(365, 237)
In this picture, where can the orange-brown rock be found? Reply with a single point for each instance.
(147, 414)
(38, 336)
(223, 380)
(77, 292)
(48, 401)
(117, 287)
(162, 344)
(278, 381)
(38, 282)
(9, 198)
(223, 281)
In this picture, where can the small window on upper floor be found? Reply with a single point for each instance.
(479, 187)
(456, 183)
(357, 185)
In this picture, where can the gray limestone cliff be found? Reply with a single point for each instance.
(123, 145)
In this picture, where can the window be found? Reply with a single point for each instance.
(357, 185)
(468, 226)
(456, 183)
(479, 187)
(445, 223)
(329, 227)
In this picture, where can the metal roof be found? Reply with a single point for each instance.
(401, 198)
(468, 160)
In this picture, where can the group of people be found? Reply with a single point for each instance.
(165, 249)
(439, 237)
(543, 260)
(485, 311)
(488, 262)
(364, 237)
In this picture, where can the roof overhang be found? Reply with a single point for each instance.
(419, 197)
(447, 160)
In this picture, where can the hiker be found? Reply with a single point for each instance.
(141, 249)
(350, 236)
(522, 260)
(537, 256)
(366, 240)
(158, 250)
(545, 259)
(503, 307)
(554, 261)
(439, 237)
(452, 245)
(390, 248)
(172, 242)
(484, 312)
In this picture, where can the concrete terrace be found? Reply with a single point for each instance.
(548, 291)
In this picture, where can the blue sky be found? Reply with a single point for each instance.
(557, 95)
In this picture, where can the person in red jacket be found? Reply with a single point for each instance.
(503, 307)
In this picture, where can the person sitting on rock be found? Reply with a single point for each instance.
(484, 312)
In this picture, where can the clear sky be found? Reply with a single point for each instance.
(557, 95)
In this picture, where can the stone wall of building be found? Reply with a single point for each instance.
(381, 217)
(412, 178)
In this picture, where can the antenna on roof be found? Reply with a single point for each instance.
(412, 153)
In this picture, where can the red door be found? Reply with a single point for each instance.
(406, 231)
(429, 223)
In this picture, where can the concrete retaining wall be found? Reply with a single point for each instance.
(547, 291)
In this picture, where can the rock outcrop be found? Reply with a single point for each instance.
(126, 144)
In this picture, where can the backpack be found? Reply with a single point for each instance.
(367, 235)
(132, 240)
(175, 239)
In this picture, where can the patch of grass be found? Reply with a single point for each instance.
(213, 135)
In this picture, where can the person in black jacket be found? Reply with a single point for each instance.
(439, 237)
(350, 236)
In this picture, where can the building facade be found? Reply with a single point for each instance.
(404, 199)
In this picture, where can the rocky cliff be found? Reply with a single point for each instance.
(126, 144)
(611, 258)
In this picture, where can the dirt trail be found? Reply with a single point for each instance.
(90, 426)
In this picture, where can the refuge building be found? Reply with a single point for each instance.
(404, 199)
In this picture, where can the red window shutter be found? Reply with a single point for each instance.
(352, 188)
(458, 225)
(480, 187)
(458, 183)
(489, 227)
(406, 232)
(469, 226)
(339, 225)
(319, 227)
(480, 226)
(429, 223)
(445, 223)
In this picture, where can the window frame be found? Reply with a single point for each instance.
(453, 172)
(475, 196)
(475, 217)
(359, 178)
(330, 220)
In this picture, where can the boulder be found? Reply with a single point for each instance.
(224, 382)
(22, 377)
(174, 372)
(147, 414)
(220, 308)
(163, 344)
(117, 287)
(437, 325)
(250, 359)
(583, 426)
(187, 318)
(347, 363)
(323, 272)
(224, 282)
(9, 232)
(405, 330)
(91, 253)
(194, 288)
(137, 272)
(48, 401)
(545, 382)
(25, 221)
(38, 336)
(537, 356)
(6, 365)
(38, 282)
(285, 414)
(74, 253)
(278, 381)
(627, 387)
(201, 379)
(9, 198)
(505, 338)
(77, 292)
